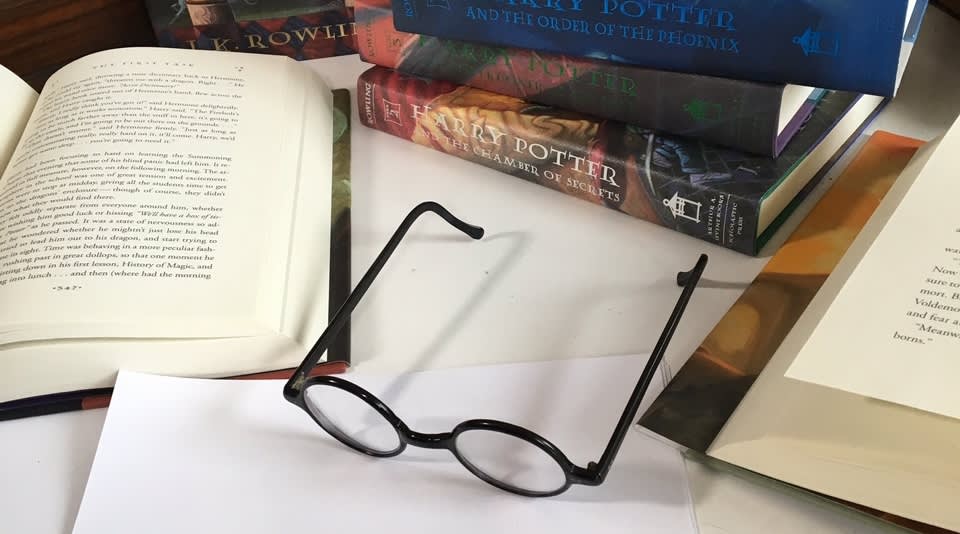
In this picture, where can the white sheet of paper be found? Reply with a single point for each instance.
(193, 455)
(893, 330)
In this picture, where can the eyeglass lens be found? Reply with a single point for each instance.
(490, 454)
(350, 419)
(510, 460)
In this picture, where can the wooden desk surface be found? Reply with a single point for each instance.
(39, 36)
(950, 6)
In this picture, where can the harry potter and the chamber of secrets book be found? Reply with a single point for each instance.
(171, 211)
(727, 197)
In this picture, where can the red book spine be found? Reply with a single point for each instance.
(91, 399)
(538, 144)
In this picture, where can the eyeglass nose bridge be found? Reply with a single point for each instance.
(443, 440)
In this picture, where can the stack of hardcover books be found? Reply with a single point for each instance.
(713, 118)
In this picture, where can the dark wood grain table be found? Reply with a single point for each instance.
(950, 6)
(39, 36)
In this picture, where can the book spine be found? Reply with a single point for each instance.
(327, 31)
(602, 162)
(92, 399)
(852, 45)
(738, 114)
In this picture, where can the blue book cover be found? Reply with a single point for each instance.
(851, 45)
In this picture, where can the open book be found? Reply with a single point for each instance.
(170, 211)
(857, 400)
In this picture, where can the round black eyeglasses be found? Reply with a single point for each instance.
(502, 454)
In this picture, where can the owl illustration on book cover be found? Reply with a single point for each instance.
(301, 29)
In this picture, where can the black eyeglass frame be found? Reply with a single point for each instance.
(592, 475)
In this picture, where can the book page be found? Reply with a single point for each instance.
(893, 330)
(151, 196)
(15, 107)
(308, 275)
(837, 443)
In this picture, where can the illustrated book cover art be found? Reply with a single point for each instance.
(753, 117)
(856, 45)
(151, 224)
(726, 197)
(733, 403)
(301, 29)
(707, 389)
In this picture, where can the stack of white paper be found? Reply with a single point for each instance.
(191, 455)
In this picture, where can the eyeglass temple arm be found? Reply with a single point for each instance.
(342, 315)
(688, 279)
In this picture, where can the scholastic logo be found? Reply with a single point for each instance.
(391, 112)
(818, 42)
(408, 8)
